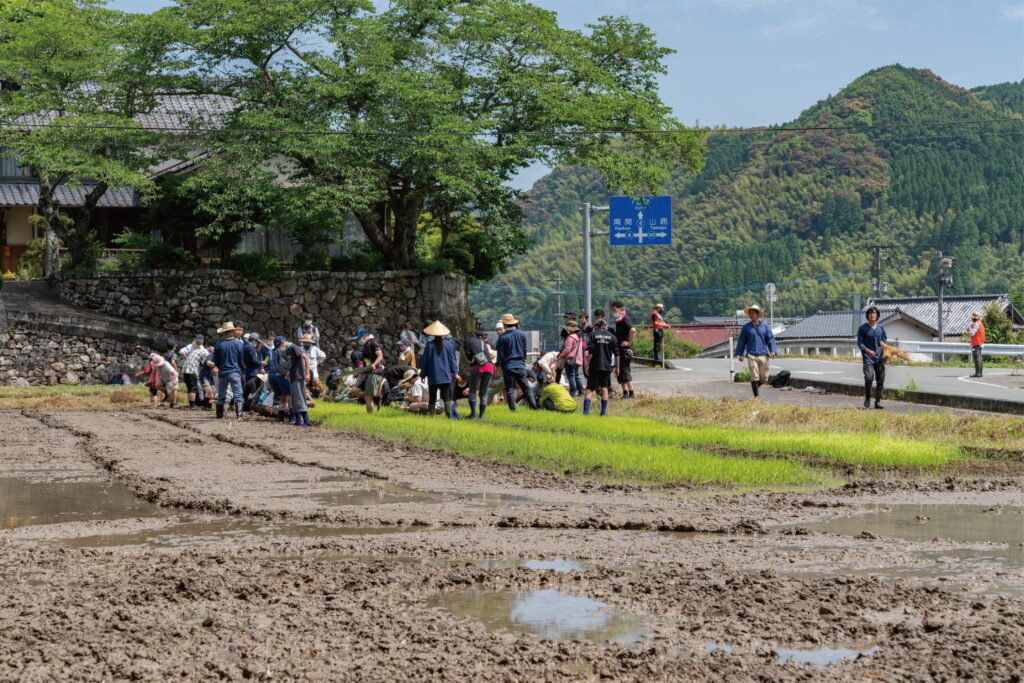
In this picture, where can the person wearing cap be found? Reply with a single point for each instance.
(194, 359)
(406, 353)
(440, 367)
(553, 396)
(372, 355)
(571, 358)
(602, 347)
(658, 326)
(977, 332)
(297, 356)
(511, 350)
(481, 370)
(308, 328)
(278, 368)
(499, 328)
(757, 343)
(870, 338)
(167, 379)
(228, 359)
(626, 334)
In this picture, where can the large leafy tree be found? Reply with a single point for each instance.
(424, 108)
(77, 76)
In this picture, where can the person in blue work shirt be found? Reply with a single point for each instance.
(228, 358)
(757, 343)
(870, 337)
(511, 350)
(441, 368)
(277, 377)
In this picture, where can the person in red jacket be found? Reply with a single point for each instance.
(977, 332)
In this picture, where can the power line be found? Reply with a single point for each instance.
(567, 133)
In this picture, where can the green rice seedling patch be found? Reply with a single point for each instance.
(598, 455)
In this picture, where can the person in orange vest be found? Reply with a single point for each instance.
(658, 326)
(977, 332)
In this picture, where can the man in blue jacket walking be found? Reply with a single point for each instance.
(757, 343)
(511, 350)
(870, 337)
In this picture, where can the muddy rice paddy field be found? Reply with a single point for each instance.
(161, 545)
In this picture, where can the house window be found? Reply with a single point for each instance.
(9, 168)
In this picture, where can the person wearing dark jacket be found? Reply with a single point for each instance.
(602, 347)
(870, 337)
(757, 343)
(512, 361)
(228, 359)
(481, 370)
(441, 368)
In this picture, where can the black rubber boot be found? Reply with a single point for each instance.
(878, 397)
(867, 395)
(238, 411)
(754, 386)
(220, 411)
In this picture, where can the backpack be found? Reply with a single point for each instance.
(780, 380)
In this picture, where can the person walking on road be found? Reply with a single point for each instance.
(870, 338)
(658, 326)
(626, 333)
(228, 358)
(602, 346)
(440, 367)
(757, 343)
(977, 332)
(512, 361)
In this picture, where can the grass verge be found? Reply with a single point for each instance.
(848, 448)
(600, 456)
(68, 396)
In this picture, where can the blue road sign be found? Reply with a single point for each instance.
(646, 220)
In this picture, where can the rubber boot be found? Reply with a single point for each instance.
(483, 407)
(604, 407)
(239, 414)
(878, 397)
(472, 410)
(867, 395)
(754, 387)
(305, 420)
(586, 406)
(293, 418)
(220, 411)
(448, 407)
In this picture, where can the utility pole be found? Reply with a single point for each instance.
(943, 280)
(557, 282)
(588, 209)
(878, 288)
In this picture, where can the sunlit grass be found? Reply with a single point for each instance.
(850, 448)
(72, 396)
(598, 455)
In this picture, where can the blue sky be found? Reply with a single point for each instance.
(757, 62)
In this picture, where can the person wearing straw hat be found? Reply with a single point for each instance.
(440, 366)
(228, 354)
(511, 349)
(757, 343)
(977, 332)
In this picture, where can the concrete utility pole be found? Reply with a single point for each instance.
(878, 288)
(942, 281)
(588, 303)
(557, 282)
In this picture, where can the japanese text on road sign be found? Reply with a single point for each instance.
(645, 220)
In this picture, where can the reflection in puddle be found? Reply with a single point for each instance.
(196, 533)
(25, 503)
(546, 614)
(822, 657)
(322, 480)
(558, 564)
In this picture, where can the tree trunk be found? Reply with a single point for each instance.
(397, 242)
(79, 234)
(49, 209)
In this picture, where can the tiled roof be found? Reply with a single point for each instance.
(957, 309)
(171, 111)
(18, 193)
(822, 324)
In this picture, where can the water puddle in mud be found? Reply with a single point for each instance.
(548, 613)
(198, 533)
(384, 493)
(983, 568)
(24, 502)
(820, 657)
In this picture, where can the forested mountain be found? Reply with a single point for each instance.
(788, 206)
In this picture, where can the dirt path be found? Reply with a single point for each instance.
(246, 568)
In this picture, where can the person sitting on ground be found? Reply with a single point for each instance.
(555, 397)
(440, 367)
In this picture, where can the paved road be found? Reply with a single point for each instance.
(710, 377)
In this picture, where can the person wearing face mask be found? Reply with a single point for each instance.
(307, 328)
(297, 356)
(373, 359)
(625, 332)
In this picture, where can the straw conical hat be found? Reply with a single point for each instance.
(228, 327)
(437, 329)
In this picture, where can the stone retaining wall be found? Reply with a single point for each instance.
(33, 355)
(184, 303)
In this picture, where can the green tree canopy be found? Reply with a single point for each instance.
(426, 108)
